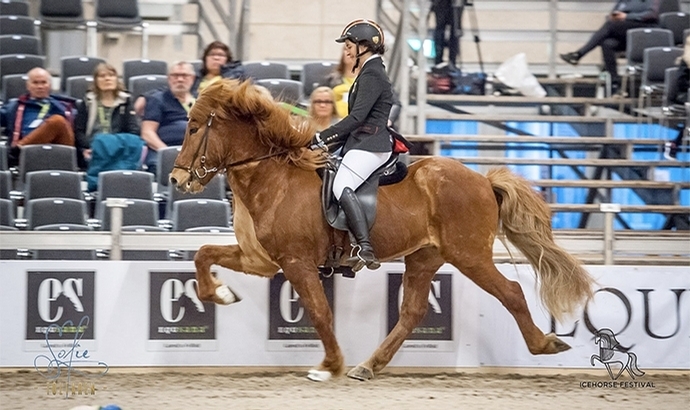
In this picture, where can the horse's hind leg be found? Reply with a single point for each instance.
(305, 280)
(509, 293)
(420, 268)
(210, 288)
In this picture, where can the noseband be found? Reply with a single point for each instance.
(201, 172)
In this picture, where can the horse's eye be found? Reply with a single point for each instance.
(193, 130)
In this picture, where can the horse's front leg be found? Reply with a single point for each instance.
(304, 278)
(210, 288)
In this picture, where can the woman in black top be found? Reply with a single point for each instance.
(363, 132)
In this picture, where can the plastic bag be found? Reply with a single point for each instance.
(514, 73)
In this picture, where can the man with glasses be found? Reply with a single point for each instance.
(165, 116)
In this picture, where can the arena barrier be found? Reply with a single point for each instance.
(115, 313)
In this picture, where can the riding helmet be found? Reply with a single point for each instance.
(363, 31)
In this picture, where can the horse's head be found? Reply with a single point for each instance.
(233, 124)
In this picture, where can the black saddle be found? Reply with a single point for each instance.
(389, 173)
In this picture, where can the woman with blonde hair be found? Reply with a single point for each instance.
(322, 109)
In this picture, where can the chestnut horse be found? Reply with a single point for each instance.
(441, 212)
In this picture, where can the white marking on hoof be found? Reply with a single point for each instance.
(319, 375)
(226, 295)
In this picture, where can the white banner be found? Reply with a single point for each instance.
(144, 314)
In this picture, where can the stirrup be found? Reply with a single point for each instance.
(357, 261)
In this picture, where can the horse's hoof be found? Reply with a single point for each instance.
(360, 373)
(555, 345)
(226, 295)
(319, 375)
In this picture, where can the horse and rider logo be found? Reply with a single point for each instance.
(612, 353)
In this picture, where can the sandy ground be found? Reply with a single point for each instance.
(229, 388)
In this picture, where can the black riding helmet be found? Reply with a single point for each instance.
(365, 32)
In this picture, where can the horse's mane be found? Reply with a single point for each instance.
(233, 100)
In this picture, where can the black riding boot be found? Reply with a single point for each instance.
(357, 223)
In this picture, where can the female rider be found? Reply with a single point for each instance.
(363, 133)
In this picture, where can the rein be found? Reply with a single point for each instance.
(202, 171)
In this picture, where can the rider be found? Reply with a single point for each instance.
(367, 142)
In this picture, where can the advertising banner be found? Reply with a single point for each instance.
(178, 320)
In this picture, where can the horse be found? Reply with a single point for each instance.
(611, 352)
(440, 212)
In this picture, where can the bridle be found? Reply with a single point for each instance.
(201, 172)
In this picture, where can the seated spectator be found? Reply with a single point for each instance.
(671, 147)
(216, 63)
(612, 36)
(106, 129)
(165, 117)
(341, 80)
(38, 117)
(322, 109)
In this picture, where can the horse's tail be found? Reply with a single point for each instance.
(526, 222)
(632, 366)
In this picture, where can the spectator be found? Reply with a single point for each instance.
(165, 117)
(341, 80)
(322, 108)
(38, 117)
(448, 13)
(671, 147)
(106, 129)
(217, 63)
(611, 37)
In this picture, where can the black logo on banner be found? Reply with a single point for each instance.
(288, 319)
(615, 357)
(55, 298)
(438, 322)
(176, 311)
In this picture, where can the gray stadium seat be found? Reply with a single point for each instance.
(654, 64)
(117, 15)
(122, 184)
(5, 184)
(73, 66)
(141, 84)
(13, 86)
(77, 86)
(215, 189)
(677, 22)
(166, 161)
(260, 70)
(132, 68)
(46, 157)
(53, 184)
(139, 212)
(51, 211)
(19, 63)
(315, 74)
(201, 215)
(20, 44)
(6, 212)
(61, 14)
(17, 25)
(3, 157)
(289, 91)
(14, 8)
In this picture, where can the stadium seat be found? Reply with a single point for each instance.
(677, 22)
(51, 211)
(141, 84)
(215, 189)
(17, 25)
(14, 8)
(53, 184)
(260, 70)
(3, 157)
(315, 74)
(13, 85)
(77, 86)
(669, 105)
(138, 212)
(20, 44)
(637, 40)
(122, 184)
(117, 15)
(289, 91)
(166, 161)
(201, 215)
(76, 65)
(668, 6)
(132, 68)
(5, 184)
(19, 63)
(46, 157)
(654, 64)
(61, 14)
(6, 213)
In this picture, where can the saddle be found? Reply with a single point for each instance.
(389, 173)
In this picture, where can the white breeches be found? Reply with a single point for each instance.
(356, 167)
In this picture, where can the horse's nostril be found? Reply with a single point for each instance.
(173, 180)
